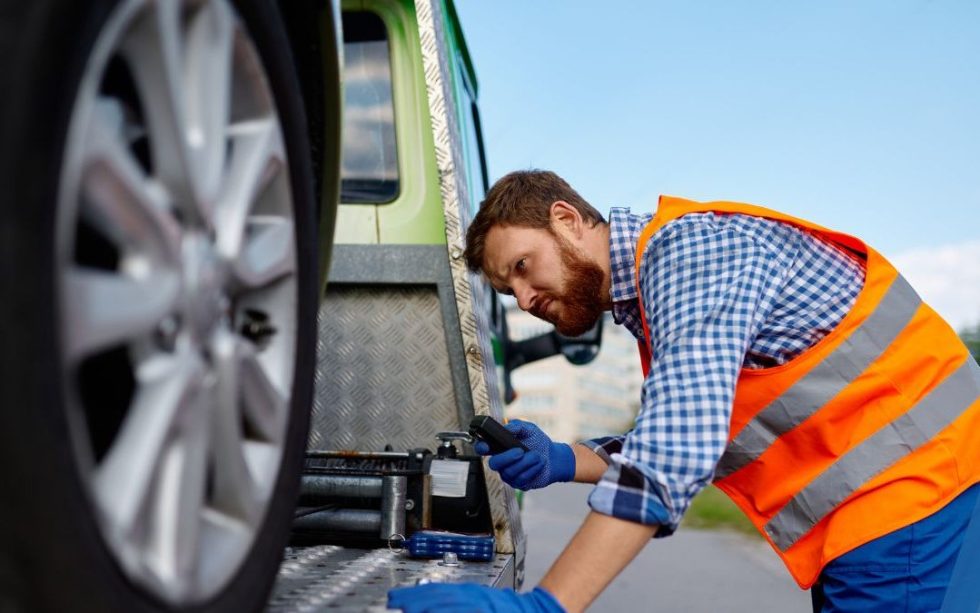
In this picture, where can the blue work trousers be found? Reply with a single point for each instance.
(910, 570)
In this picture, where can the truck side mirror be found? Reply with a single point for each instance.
(581, 349)
(578, 350)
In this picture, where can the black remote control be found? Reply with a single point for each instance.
(497, 437)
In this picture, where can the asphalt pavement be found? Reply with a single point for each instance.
(692, 571)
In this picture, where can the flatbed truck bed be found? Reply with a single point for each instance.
(335, 578)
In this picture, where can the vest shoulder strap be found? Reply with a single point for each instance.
(670, 208)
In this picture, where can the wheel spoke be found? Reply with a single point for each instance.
(222, 537)
(209, 69)
(121, 201)
(264, 403)
(233, 487)
(268, 254)
(256, 158)
(109, 308)
(177, 504)
(127, 481)
(154, 51)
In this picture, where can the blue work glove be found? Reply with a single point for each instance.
(470, 598)
(544, 463)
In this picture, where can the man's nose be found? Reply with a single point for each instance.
(525, 296)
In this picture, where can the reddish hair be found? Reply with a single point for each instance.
(522, 198)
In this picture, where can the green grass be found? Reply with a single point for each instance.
(713, 510)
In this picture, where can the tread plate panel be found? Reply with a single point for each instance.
(333, 578)
(382, 373)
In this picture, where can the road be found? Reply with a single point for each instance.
(692, 571)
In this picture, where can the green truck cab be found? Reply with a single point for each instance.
(407, 334)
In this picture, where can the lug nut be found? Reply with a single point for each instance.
(257, 327)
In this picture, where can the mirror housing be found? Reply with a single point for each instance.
(581, 349)
(578, 350)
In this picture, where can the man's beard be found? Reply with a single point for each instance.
(581, 301)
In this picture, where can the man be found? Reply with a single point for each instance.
(791, 365)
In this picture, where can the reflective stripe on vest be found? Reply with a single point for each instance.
(858, 466)
(872, 428)
(825, 381)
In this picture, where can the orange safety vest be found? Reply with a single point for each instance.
(873, 428)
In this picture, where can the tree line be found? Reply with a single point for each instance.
(971, 336)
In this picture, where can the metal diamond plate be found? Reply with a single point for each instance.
(382, 373)
(468, 288)
(332, 578)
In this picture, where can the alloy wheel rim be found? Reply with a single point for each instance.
(177, 273)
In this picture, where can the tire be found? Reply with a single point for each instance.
(82, 367)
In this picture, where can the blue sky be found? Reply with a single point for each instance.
(861, 115)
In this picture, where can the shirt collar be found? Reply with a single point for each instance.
(624, 231)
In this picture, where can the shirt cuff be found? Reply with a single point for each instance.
(605, 446)
(623, 492)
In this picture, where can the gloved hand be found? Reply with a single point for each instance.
(470, 598)
(544, 463)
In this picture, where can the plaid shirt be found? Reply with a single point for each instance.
(721, 292)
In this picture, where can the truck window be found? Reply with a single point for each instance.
(476, 166)
(369, 161)
(474, 158)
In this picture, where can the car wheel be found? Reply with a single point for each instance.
(159, 281)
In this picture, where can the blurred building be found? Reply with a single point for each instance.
(571, 402)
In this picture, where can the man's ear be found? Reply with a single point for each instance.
(564, 217)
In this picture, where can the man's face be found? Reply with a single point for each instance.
(551, 278)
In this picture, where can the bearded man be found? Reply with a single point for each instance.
(791, 365)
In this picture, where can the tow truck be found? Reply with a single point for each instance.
(184, 392)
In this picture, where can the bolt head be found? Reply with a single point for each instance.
(450, 558)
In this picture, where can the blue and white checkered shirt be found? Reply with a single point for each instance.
(721, 292)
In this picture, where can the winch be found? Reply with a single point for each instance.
(381, 498)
